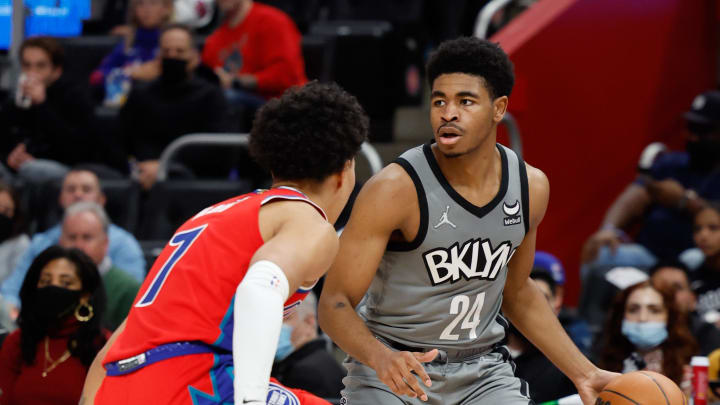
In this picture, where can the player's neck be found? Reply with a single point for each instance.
(323, 193)
(310, 190)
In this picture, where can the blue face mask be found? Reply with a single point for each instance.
(284, 347)
(645, 335)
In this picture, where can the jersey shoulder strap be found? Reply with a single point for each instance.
(289, 193)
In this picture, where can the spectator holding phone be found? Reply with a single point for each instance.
(664, 197)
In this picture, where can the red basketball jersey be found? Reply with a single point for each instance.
(189, 292)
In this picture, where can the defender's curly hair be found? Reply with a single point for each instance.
(476, 57)
(309, 132)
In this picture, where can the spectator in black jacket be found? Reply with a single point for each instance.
(176, 104)
(302, 359)
(45, 127)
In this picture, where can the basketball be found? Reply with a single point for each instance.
(641, 388)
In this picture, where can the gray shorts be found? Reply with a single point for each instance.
(485, 379)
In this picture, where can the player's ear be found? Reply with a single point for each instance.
(347, 175)
(499, 107)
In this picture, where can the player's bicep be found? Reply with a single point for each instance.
(520, 266)
(522, 261)
(380, 208)
(302, 248)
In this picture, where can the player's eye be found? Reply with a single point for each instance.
(466, 102)
(439, 103)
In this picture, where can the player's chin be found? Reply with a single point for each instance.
(451, 150)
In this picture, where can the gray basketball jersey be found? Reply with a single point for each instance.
(444, 289)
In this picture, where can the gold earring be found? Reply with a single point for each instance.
(88, 308)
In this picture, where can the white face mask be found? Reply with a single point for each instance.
(645, 335)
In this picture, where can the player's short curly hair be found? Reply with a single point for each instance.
(476, 57)
(309, 132)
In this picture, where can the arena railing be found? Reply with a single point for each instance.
(482, 22)
(233, 139)
(513, 133)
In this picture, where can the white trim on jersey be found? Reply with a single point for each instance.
(292, 197)
(303, 289)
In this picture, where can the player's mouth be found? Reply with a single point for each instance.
(448, 135)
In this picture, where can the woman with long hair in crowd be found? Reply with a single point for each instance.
(45, 361)
(646, 331)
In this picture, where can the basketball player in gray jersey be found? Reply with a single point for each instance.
(437, 244)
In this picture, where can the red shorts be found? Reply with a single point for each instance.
(196, 379)
(183, 380)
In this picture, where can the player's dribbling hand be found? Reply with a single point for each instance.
(590, 388)
(400, 371)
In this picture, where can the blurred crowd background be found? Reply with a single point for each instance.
(119, 119)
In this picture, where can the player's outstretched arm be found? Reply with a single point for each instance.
(299, 247)
(529, 311)
(383, 206)
(96, 373)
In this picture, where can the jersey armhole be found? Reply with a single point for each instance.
(524, 193)
(422, 203)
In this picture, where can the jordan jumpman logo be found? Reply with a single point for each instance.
(444, 219)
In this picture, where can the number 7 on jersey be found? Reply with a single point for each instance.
(183, 241)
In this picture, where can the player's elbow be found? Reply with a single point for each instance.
(329, 307)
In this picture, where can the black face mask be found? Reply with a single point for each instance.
(6, 227)
(704, 154)
(51, 304)
(174, 70)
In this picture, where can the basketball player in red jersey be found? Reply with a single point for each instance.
(206, 321)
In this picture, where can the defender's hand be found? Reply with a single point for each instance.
(400, 371)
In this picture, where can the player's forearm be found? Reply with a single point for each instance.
(531, 314)
(339, 320)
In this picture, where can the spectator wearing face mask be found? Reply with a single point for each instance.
(646, 331)
(45, 361)
(176, 104)
(124, 250)
(302, 359)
